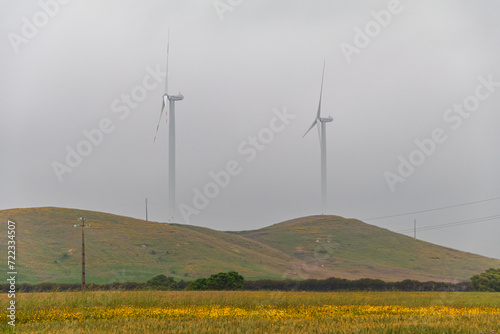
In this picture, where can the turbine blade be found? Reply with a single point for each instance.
(166, 74)
(159, 120)
(321, 91)
(312, 126)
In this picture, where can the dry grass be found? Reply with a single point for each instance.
(256, 312)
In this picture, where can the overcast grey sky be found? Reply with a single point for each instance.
(411, 80)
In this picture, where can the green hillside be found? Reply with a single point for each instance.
(126, 249)
(353, 249)
(122, 249)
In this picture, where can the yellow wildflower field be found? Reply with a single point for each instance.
(256, 312)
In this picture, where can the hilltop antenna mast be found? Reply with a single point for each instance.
(415, 229)
(146, 209)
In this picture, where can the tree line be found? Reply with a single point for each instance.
(364, 284)
(488, 281)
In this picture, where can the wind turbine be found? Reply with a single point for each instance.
(321, 124)
(171, 99)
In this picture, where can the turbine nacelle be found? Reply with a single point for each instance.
(175, 97)
(325, 120)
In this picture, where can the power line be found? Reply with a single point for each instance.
(453, 224)
(383, 234)
(434, 209)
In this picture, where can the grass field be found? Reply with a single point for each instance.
(255, 312)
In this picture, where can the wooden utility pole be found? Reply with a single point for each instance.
(83, 225)
(146, 209)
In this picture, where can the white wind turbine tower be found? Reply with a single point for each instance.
(321, 124)
(171, 143)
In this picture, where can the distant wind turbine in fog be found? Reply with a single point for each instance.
(171, 144)
(321, 124)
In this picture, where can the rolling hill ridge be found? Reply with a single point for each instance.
(120, 249)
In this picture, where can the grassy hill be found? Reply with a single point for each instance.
(125, 249)
(353, 249)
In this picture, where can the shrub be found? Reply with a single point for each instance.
(221, 281)
(487, 281)
(162, 282)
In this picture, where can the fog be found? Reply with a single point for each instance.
(413, 87)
